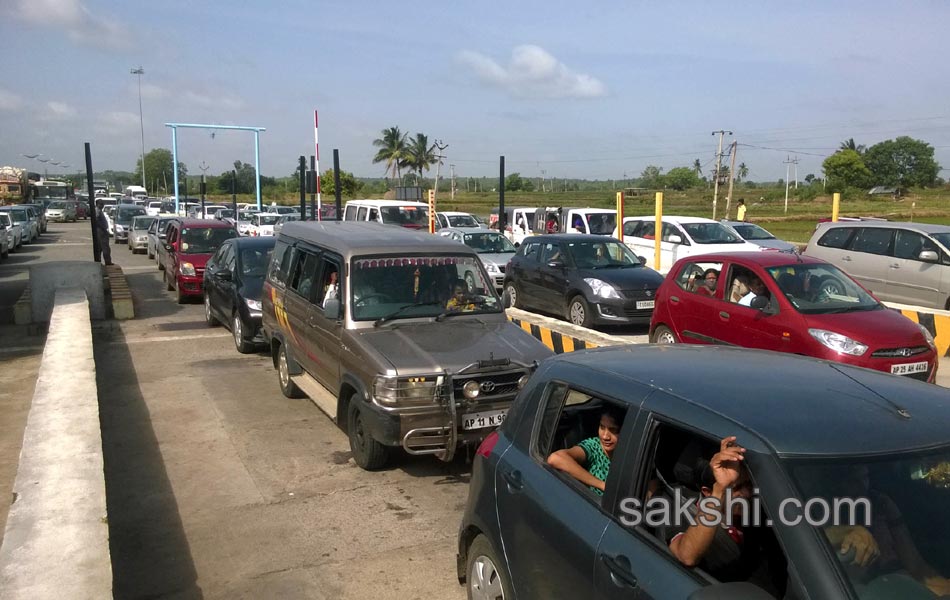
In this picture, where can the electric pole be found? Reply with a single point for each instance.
(718, 166)
(732, 176)
(795, 162)
(452, 167)
(438, 165)
(788, 164)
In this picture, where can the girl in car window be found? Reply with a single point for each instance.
(589, 461)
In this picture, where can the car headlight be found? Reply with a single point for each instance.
(253, 304)
(839, 343)
(187, 268)
(602, 288)
(119, 228)
(928, 336)
(406, 391)
(492, 268)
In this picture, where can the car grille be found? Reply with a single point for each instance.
(640, 294)
(503, 384)
(899, 352)
(501, 268)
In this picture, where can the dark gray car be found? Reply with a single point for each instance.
(381, 328)
(677, 407)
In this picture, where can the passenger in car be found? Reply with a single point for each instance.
(756, 288)
(589, 461)
(710, 280)
(740, 287)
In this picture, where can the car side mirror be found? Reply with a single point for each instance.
(223, 274)
(674, 239)
(928, 256)
(556, 263)
(643, 260)
(737, 590)
(763, 303)
(169, 247)
(517, 244)
(331, 309)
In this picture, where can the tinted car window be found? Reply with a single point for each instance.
(281, 261)
(305, 273)
(551, 252)
(873, 240)
(531, 251)
(837, 237)
(202, 240)
(909, 244)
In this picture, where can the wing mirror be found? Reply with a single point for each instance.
(643, 260)
(331, 309)
(928, 256)
(223, 275)
(675, 239)
(764, 304)
(556, 263)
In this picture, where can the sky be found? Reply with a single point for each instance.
(561, 89)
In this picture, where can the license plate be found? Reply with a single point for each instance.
(909, 368)
(491, 418)
(643, 304)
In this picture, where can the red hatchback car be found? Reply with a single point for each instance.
(787, 303)
(189, 244)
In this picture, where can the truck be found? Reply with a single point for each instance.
(14, 185)
(523, 221)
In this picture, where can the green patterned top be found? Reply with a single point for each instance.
(598, 463)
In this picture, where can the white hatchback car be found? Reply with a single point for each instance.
(681, 236)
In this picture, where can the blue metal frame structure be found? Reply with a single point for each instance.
(257, 151)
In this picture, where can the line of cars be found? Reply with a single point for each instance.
(20, 224)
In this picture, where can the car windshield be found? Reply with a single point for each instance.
(204, 240)
(225, 213)
(51, 191)
(267, 219)
(402, 287)
(710, 233)
(142, 223)
(900, 501)
(254, 262)
(819, 289)
(245, 215)
(462, 221)
(753, 232)
(943, 238)
(163, 225)
(413, 217)
(18, 215)
(58, 204)
(602, 255)
(125, 214)
(602, 223)
(490, 242)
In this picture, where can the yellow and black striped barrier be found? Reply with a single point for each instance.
(555, 340)
(937, 322)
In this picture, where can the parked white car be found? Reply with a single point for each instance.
(456, 220)
(262, 224)
(681, 236)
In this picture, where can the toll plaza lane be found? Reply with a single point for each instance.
(220, 487)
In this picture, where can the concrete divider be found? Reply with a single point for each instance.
(121, 294)
(561, 336)
(936, 321)
(56, 542)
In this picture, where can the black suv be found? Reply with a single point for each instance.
(588, 279)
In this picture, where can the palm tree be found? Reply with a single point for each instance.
(392, 151)
(420, 154)
(743, 171)
(698, 167)
(849, 144)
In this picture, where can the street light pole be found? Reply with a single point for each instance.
(140, 71)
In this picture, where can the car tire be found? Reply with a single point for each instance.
(168, 284)
(151, 256)
(470, 281)
(663, 335)
(368, 453)
(209, 316)
(484, 577)
(287, 386)
(237, 332)
(512, 290)
(578, 311)
(180, 297)
(831, 286)
(161, 265)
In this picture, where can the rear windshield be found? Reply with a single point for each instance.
(462, 221)
(142, 223)
(204, 240)
(413, 217)
(59, 204)
(710, 233)
(267, 219)
(125, 214)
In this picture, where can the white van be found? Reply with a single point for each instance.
(135, 191)
(412, 215)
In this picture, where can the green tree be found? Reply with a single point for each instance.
(158, 168)
(652, 177)
(681, 178)
(420, 155)
(845, 168)
(902, 162)
(393, 151)
(245, 180)
(349, 185)
(809, 178)
(698, 167)
(743, 172)
(514, 183)
(850, 144)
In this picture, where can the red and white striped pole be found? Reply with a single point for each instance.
(316, 143)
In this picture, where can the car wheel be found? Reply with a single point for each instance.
(470, 281)
(151, 256)
(209, 315)
(578, 311)
(830, 286)
(287, 386)
(663, 335)
(512, 291)
(237, 330)
(180, 297)
(168, 284)
(484, 578)
(368, 453)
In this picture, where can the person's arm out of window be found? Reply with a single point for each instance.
(571, 461)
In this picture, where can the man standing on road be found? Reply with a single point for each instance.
(102, 229)
(740, 210)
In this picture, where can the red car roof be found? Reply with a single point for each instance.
(205, 223)
(763, 259)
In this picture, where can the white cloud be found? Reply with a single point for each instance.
(9, 101)
(211, 100)
(118, 123)
(73, 17)
(59, 110)
(533, 72)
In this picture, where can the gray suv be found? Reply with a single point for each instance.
(397, 335)
(908, 263)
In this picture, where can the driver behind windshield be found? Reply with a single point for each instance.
(460, 302)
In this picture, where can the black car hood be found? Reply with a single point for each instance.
(452, 344)
(630, 278)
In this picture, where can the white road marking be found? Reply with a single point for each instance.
(173, 338)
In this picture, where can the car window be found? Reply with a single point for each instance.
(669, 230)
(281, 261)
(219, 256)
(909, 244)
(873, 240)
(349, 213)
(531, 251)
(836, 237)
(361, 214)
(645, 229)
(630, 227)
(304, 273)
(330, 280)
(551, 252)
(373, 214)
(740, 287)
(700, 277)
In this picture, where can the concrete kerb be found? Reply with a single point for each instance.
(561, 336)
(57, 538)
(23, 309)
(118, 286)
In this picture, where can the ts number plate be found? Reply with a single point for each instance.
(492, 418)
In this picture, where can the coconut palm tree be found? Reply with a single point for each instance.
(742, 172)
(420, 155)
(849, 144)
(392, 151)
(698, 167)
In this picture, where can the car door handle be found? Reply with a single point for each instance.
(513, 479)
(674, 298)
(724, 315)
(895, 266)
(846, 259)
(619, 567)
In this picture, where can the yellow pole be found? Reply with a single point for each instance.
(431, 211)
(620, 216)
(658, 233)
(835, 204)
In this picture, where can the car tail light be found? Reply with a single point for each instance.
(487, 445)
